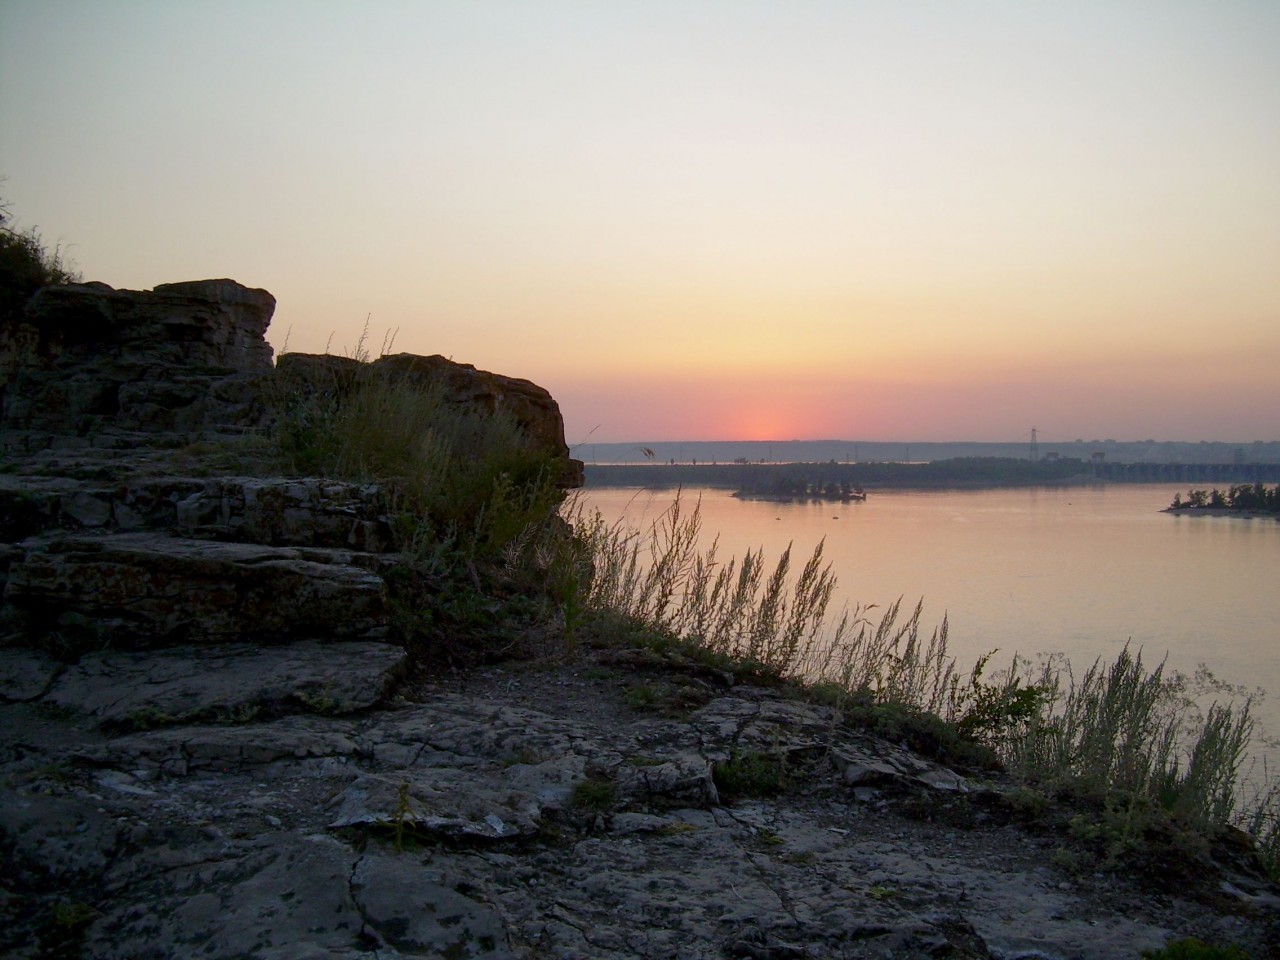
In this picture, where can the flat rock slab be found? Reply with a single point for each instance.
(790, 880)
(293, 897)
(235, 682)
(184, 751)
(448, 804)
(144, 590)
(288, 512)
(305, 512)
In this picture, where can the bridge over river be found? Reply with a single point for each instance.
(1187, 473)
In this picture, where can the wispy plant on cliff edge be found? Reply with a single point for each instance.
(26, 265)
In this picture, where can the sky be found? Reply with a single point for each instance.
(880, 220)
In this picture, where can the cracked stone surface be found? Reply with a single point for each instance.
(450, 821)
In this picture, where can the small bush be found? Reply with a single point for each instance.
(926, 733)
(1134, 738)
(469, 500)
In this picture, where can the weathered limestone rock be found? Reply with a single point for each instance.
(448, 804)
(54, 837)
(26, 674)
(130, 690)
(423, 913)
(247, 747)
(303, 512)
(272, 511)
(182, 358)
(106, 397)
(137, 591)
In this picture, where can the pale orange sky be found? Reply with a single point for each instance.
(700, 220)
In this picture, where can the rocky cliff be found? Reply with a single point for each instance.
(212, 747)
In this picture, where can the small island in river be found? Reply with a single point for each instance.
(1241, 500)
(790, 490)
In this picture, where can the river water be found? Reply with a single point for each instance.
(1079, 571)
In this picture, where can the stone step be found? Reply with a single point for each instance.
(146, 590)
(274, 511)
(133, 690)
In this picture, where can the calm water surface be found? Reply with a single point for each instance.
(1079, 571)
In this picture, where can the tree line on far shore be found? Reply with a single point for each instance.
(1256, 497)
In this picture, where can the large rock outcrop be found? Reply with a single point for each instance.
(92, 365)
(110, 401)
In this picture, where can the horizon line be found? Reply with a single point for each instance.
(1019, 442)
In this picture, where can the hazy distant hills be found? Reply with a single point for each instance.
(860, 451)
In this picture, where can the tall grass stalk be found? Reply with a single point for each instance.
(1127, 733)
(749, 610)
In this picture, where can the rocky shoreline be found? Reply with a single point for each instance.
(214, 748)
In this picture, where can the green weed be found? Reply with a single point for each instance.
(880, 892)
(403, 819)
(62, 933)
(643, 696)
(1193, 949)
(594, 795)
(769, 838)
(755, 774)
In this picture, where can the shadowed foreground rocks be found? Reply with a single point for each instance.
(211, 749)
(240, 802)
